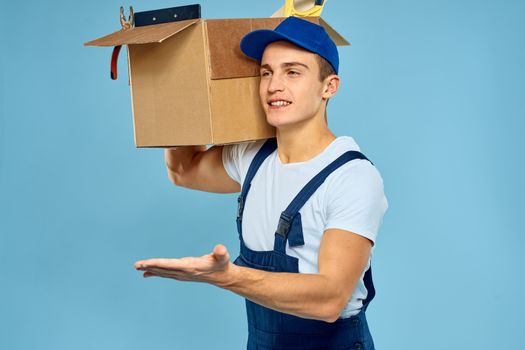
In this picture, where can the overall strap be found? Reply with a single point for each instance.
(267, 148)
(290, 220)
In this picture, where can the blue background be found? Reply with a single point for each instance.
(433, 92)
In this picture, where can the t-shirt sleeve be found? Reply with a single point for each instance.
(355, 199)
(236, 158)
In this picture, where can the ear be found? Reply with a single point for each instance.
(331, 86)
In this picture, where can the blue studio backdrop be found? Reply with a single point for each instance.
(433, 92)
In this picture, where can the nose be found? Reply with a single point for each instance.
(275, 83)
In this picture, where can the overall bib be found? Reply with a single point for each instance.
(270, 329)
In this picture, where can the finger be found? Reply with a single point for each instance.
(161, 271)
(221, 253)
(138, 264)
(162, 275)
(148, 262)
(170, 274)
(161, 263)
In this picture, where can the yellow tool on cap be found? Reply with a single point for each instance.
(303, 8)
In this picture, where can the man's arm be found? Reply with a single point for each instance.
(199, 169)
(342, 259)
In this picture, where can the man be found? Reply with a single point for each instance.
(309, 210)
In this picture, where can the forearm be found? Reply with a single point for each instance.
(179, 161)
(343, 257)
(313, 296)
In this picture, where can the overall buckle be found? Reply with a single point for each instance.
(285, 222)
(240, 206)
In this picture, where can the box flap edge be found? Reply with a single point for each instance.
(142, 35)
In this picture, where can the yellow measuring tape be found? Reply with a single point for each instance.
(314, 11)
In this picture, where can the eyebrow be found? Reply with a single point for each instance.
(286, 65)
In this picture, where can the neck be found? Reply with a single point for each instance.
(301, 143)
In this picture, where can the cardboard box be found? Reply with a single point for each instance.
(191, 84)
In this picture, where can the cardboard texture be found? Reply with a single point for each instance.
(191, 84)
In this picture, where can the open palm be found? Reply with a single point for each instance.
(207, 268)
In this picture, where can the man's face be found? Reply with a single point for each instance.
(290, 90)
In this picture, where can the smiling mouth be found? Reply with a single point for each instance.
(279, 103)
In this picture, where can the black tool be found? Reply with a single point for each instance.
(172, 14)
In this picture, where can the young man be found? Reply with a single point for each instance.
(309, 210)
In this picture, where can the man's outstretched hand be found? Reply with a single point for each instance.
(212, 268)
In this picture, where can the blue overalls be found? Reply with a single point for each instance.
(270, 329)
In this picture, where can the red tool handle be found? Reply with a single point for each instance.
(114, 59)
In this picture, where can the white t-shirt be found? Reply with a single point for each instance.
(351, 199)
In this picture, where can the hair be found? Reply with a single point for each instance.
(325, 68)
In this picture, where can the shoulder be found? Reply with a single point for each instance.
(237, 157)
(242, 151)
(358, 175)
(354, 198)
(355, 171)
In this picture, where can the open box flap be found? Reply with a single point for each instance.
(336, 37)
(142, 35)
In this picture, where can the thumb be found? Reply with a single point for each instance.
(221, 253)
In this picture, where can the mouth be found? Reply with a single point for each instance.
(278, 103)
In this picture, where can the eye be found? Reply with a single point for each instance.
(293, 73)
(265, 73)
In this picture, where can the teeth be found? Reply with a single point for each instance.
(279, 103)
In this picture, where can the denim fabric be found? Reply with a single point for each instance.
(270, 329)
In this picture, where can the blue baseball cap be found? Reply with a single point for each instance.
(305, 34)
